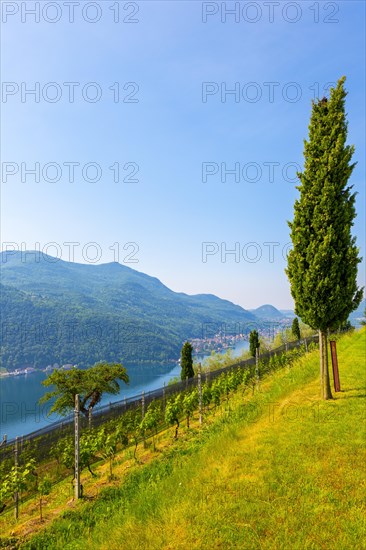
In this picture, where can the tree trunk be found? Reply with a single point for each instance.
(324, 371)
(90, 470)
(16, 502)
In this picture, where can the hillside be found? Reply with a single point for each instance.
(277, 469)
(63, 312)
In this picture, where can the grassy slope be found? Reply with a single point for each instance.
(281, 470)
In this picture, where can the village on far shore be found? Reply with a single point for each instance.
(28, 370)
(217, 343)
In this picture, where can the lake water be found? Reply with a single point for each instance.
(21, 414)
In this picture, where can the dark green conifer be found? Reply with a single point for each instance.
(253, 342)
(322, 265)
(186, 361)
(295, 328)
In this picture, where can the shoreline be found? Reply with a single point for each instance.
(196, 355)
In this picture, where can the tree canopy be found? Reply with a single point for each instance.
(90, 384)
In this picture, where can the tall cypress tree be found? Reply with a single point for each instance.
(186, 361)
(322, 265)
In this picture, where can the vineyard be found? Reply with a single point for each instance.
(32, 466)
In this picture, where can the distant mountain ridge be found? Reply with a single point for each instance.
(289, 313)
(268, 312)
(358, 314)
(55, 311)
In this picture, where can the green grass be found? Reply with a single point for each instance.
(281, 470)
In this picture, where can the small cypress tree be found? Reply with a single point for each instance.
(322, 265)
(186, 361)
(295, 328)
(253, 342)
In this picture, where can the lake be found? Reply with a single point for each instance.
(21, 414)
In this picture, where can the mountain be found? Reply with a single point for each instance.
(358, 314)
(55, 311)
(289, 313)
(268, 313)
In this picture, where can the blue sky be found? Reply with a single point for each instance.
(182, 227)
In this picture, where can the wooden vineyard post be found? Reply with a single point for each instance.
(333, 350)
(142, 405)
(200, 392)
(16, 494)
(77, 446)
(257, 367)
(143, 414)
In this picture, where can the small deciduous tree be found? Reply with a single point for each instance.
(16, 481)
(89, 446)
(346, 326)
(190, 404)
(44, 488)
(130, 424)
(151, 420)
(206, 395)
(173, 410)
(64, 452)
(186, 361)
(216, 391)
(107, 445)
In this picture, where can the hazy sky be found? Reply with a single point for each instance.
(168, 133)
